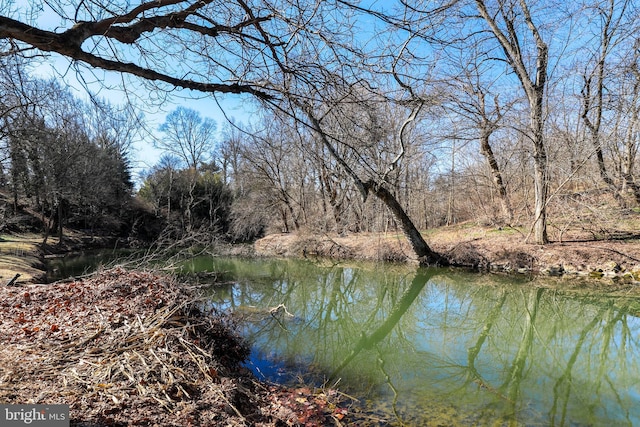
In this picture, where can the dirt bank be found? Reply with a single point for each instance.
(25, 254)
(136, 348)
(478, 247)
(21, 254)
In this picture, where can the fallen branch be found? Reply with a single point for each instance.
(12, 281)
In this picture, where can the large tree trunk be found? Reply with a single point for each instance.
(540, 175)
(540, 183)
(425, 254)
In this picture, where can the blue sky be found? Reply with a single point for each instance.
(109, 85)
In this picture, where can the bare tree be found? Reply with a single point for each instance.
(294, 57)
(377, 156)
(62, 164)
(533, 80)
(303, 60)
(627, 123)
(276, 51)
(188, 136)
(472, 99)
(271, 155)
(229, 154)
(610, 17)
(101, 34)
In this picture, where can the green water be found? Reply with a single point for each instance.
(439, 347)
(78, 264)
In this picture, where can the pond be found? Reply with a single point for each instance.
(79, 263)
(439, 346)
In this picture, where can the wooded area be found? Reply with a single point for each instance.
(516, 113)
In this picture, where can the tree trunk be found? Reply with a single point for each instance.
(285, 221)
(330, 189)
(631, 149)
(540, 175)
(425, 254)
(597, 104)
(533, 86)
(48, 223)
(286, 200)
(60, 220)
(487, 152)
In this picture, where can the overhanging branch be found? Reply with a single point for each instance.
(69, 44)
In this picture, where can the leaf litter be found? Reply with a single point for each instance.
(137, 348)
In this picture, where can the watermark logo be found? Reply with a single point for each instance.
(34, 415)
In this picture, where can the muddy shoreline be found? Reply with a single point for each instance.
(473, 247)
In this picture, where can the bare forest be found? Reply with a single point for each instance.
(499, 135)
(365, 117)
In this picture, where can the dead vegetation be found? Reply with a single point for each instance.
(504, 249)
(136, 348)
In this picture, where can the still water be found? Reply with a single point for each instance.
(436, 346)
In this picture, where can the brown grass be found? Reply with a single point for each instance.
(20, 255)
(614, 254)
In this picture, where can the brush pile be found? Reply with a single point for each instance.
(136, 348)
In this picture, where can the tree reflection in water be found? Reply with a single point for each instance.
(479, 348)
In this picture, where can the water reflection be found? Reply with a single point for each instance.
(444, 346)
